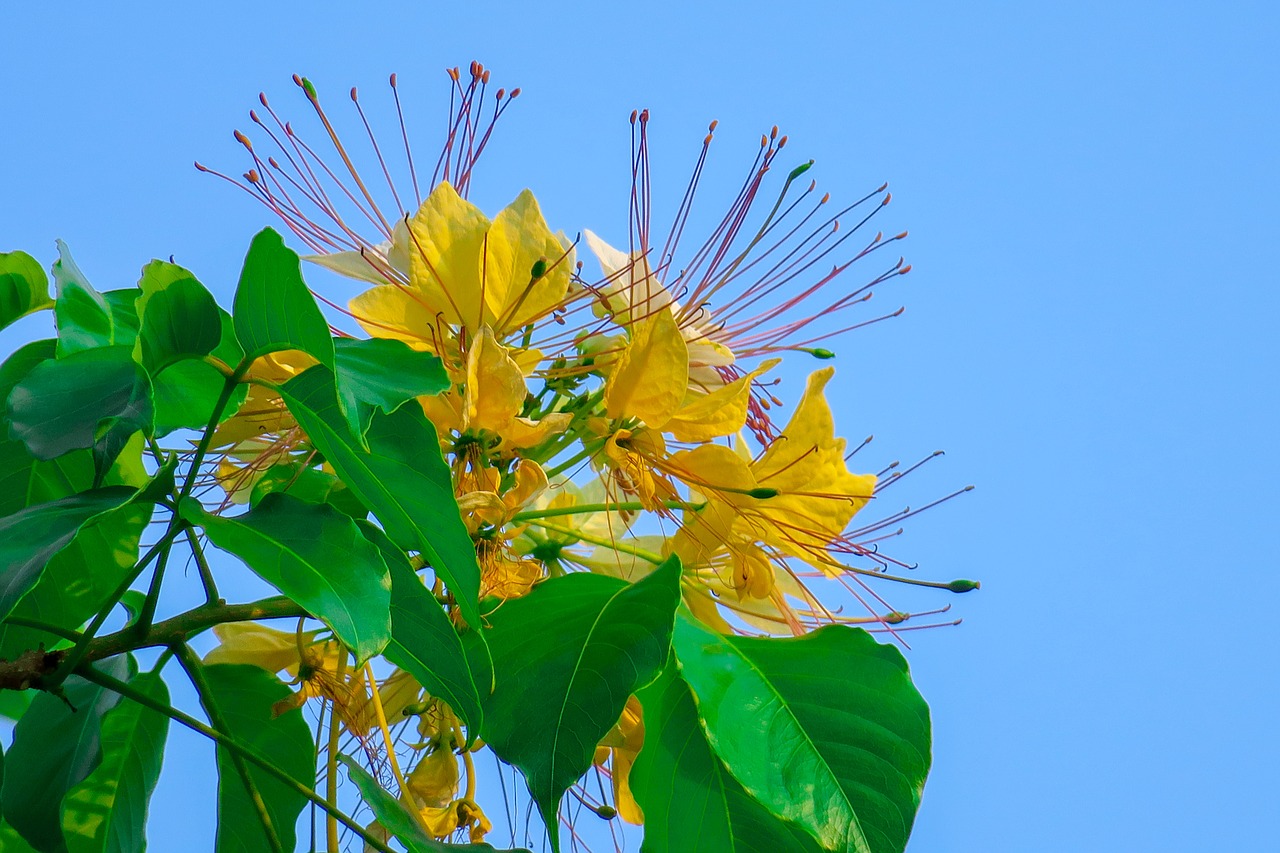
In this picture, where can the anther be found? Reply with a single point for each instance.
(711, 128)
(905, 270)
(901, 236)
(393, 80)
(515, 93)
(886, 199)
(242, 139)
(353, 94)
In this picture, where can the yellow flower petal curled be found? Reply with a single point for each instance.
(817, 493)
(650, 378)
(434, 781)
(721, 412)
(495, 388)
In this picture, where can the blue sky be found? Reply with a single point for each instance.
(1090, 189)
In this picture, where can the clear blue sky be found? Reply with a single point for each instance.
(1090, 330)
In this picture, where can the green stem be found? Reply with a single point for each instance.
(195, 671)
(588, 450)
(147, 613)
(232, 745)
(622, 506)
(648, 556)
(202, 564)
(228, 388)
(76, 655)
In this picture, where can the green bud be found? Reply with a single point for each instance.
(309, 89)
(799, 170)
(539, 269)
(819, 352)
(606, 812)
(762, 493)
(964, 586)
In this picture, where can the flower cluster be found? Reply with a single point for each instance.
(594, 421)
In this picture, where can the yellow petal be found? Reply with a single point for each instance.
(396, 312)
(495, 386)
(650, 379)
(435, 780)
(818, 494)
(446, 242)
(522, 432)
(251, 643)
(703, 417)
(530, 482)
(518, 240)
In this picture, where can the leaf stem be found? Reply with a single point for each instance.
(202, 565)
(117, 686)
(621, 506)
(648, 556)
(195, 672)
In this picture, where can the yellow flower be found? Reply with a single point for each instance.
(467, 271)
(317, 666)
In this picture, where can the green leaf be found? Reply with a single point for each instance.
(393, 816)
(402, 478)
(273, 309)
(383, 373)
(124, 315)
(179, 322)
(77, 581)
(565, 658)
(691, 803)
(309, 484)
(92, 398)
(424, 642)
(54, 749)
(29, 539)
(17, 467)
(245, 695)
(107, 812)
(184, 396)
(315, 555)
(82, 314)
(24, 288)
(825, 730)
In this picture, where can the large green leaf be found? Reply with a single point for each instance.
(396, 819)
(315, 555)
(691, 803)
(383, 373)
(29, 539)
(92, 398)
(185, 394)
(273, 309)
(245, 695)
(565, 658)
(107, 812)
(309, 484)
(24, 287)
(16, 465)
(54, 749)
(179, 322)
(424, 641)
(82, 314)
(402, 478)
(825, 730)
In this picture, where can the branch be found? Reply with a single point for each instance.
(31, 667)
